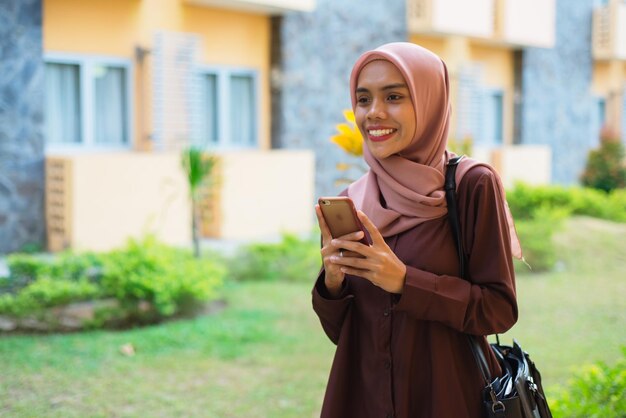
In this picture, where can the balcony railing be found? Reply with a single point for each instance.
(526, 22)
(609, 31)
(451, 17)
(512, 22)
(259, 6)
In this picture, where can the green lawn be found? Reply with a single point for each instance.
(266, 355)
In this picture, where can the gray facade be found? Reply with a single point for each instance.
(558, 107)
(318, 50)
(21, 125)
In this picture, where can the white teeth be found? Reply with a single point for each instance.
(380, 132)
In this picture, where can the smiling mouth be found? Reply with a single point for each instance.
(380, 134)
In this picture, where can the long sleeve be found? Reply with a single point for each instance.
(331, 312)
(487, 303)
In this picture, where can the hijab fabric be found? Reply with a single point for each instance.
(406, 189)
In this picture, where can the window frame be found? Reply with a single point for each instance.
(599, 115)
(223, 75)
(488, 94)
(86, 67)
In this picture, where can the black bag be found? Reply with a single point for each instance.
(518, 393)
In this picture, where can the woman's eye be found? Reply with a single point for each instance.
(394, 97)
(363, 100)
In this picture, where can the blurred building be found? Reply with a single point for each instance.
(531, 86)
(106, 94)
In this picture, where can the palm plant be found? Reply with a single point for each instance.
(199, 168)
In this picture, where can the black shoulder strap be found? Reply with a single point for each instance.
(453, 217)
(453, 213)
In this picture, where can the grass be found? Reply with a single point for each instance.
(254, 359)
(266, 355)
(576, 315)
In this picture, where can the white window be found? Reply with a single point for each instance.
(491, 130)
(228, 111)
(87, 101)
(598, 121)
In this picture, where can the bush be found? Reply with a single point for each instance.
(525, 201)
(292, 259)
(149, 280)
(539, 211)
(71, 266)
(24, 269)
(170, 280)
(598, 391)
(45, 293)
(605, 168)
(536, 235)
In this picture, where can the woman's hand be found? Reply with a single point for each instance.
(333, 275)
(376, 263)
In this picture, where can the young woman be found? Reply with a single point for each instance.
(397, 309)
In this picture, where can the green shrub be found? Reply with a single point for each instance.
(598, 391)
(525, 201)
(169, 280)
(292, 259)
(463, 146)
(536, 238)
(617, 205)
(605, 169)
(150, 281)
(23, 270)
(44, 293)
(77, 266)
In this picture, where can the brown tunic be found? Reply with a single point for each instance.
(407, 356)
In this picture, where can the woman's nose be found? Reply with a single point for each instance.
(377, 110)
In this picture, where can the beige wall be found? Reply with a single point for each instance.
(263, 193)
(531, 164)
(91, 27)
(432, 43)
(113, 196)
(117, 195)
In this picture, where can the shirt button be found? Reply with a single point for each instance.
(386, 312)
(387, 364)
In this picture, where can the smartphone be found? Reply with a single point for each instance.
(340, 216)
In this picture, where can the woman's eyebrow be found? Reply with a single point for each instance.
(385, 88)
(395, 86)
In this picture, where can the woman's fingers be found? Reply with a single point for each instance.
(354, 247)
(323, 226)
(353, 236)
(375, 234)
(376, 263)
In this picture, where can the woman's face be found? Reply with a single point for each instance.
(384, 111)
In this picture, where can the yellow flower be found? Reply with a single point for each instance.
(349, 137)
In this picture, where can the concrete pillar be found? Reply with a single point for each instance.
(21, 126)
(318, 51)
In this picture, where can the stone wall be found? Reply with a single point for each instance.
(21, 125)
(556, 92)
(317, 54)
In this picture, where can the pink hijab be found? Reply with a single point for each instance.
(411, 183)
